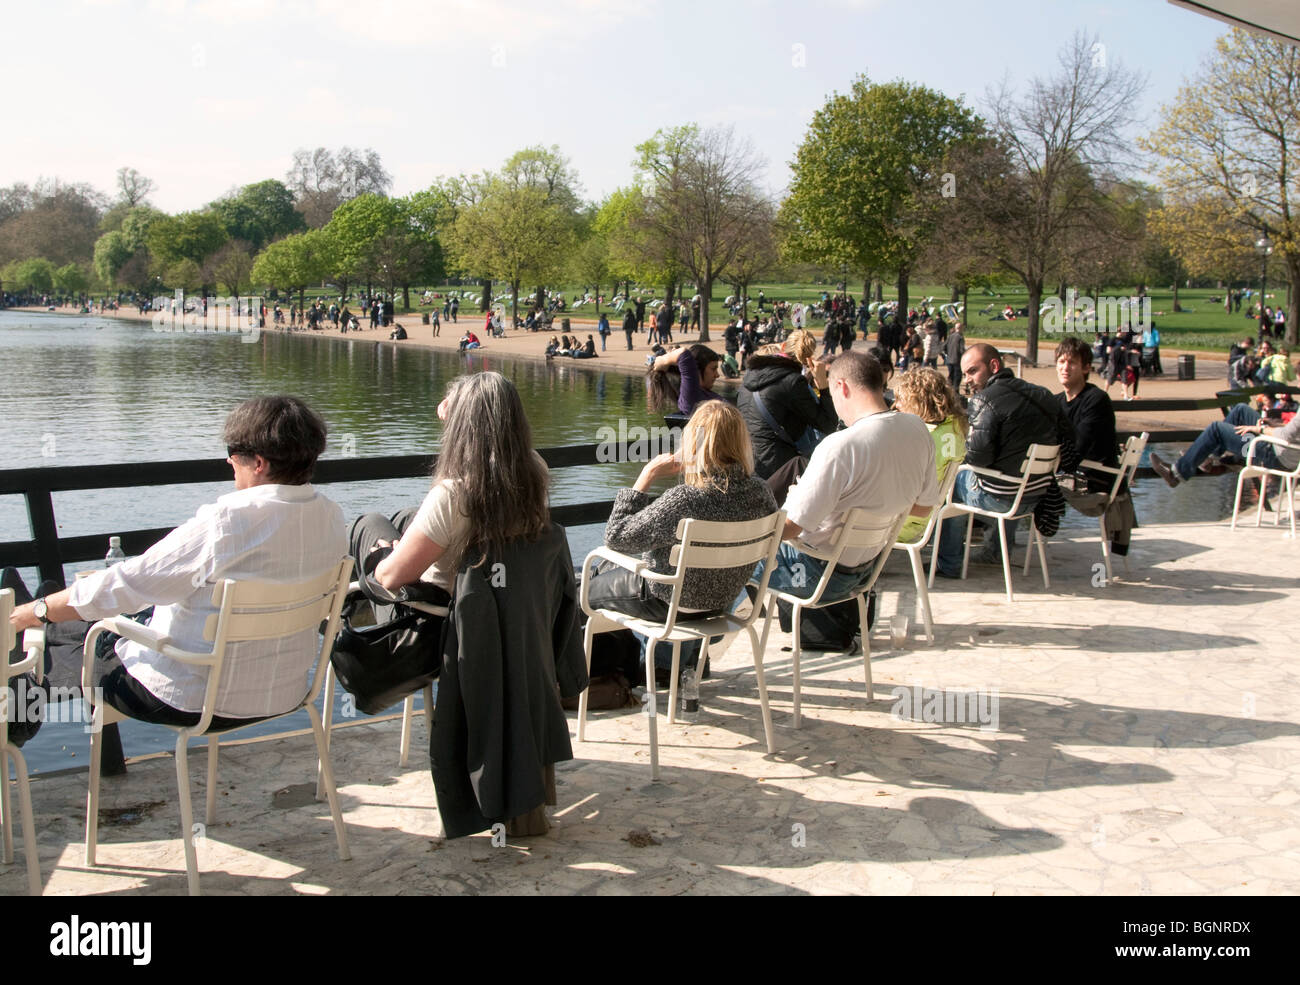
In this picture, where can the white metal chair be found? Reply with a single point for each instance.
(34, 660)
(862, 531)
(1039, 460)
(1123, 473)
(1287, 476)
(250, 610)
(408, 705)
(703, 544)
(914, 548)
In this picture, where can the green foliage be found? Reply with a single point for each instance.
(192, 236)
(259, 213)
(111, 254)
(295, 261)
(34, 274)
(71, 278)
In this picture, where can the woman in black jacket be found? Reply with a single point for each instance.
(779, 403)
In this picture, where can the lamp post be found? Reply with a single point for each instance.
(1264, 247)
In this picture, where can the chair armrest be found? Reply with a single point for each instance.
(635, 565)
(428, 608)
(1266, 439)
(34, 647)
(991, 473)
(1088, 463)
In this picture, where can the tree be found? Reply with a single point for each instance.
(548, 171)
(589, 261)
(296, 261)
(1034, 197)
(54, 220)
(259, 213)
(321, 182)
(756, 255)
(230, 266)
(702, 199)
(35, 274)
(111, 255)
(71, 280)
(192, 236)
(636, 251)
(1230, 145)
(514, 234)
(133, 188)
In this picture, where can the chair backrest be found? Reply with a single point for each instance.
(261, 610)
(7, 634)
(724, 544)
(1039, 460)
(1128, 461)
(945, 493)
(863, 531)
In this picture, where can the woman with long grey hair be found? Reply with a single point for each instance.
(489, 487)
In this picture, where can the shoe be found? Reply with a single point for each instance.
(955, 574)
(1162, 469)
(990, 557)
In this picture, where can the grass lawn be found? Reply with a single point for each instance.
(1201, 324)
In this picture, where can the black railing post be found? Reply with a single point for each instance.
(45, 534)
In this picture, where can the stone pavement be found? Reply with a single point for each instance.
(1147, 740)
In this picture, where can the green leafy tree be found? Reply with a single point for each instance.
(72, 279)
(34, 274)
(868, 178)
(259, 213)
(1230, 151)
(111, 255)
(295, 262)
(192, 236)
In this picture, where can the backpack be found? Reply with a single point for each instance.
(830, 628)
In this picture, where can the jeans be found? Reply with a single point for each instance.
(616, 588)
(798, 574)
(952, 540)
(1221, 437)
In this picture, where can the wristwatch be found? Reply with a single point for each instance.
(41, 611)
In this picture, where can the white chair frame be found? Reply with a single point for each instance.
(1123, 473)
(1288, 478)
(862, 530)
(915, 547)
(33, 645)
(1039, 460)
(701, 544)
(246, 611)
(408, 705)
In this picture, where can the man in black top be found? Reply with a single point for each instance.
(1089, 410)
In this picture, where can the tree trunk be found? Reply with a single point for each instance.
(1031, 331)
(1177, 306)
(900, 314)
(406, 297)
(597, 295)
(956, 293)
(742, 292)
(965, 304)
(880, 292)
(539, 298)
(706, 295)
(514, 301)
(1293, 309)
(866, 291)
(486, 301)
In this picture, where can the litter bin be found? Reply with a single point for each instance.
(564, 325)
(1187, 367)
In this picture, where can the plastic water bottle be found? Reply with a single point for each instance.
(688, 697)
(115, 552)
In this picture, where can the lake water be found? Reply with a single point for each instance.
(86, 391)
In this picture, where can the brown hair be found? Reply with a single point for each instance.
(926, 393)
(283, 430)
(861, 369)
(714, 440)
(1074, 347)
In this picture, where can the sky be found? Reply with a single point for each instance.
(203, 96)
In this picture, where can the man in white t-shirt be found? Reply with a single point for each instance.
(883, 461)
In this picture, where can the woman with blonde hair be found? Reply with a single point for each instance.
(782, 396)
(927, 394)
(716, 465)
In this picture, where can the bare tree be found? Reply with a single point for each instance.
(322, 181)
(1033, 198)
(133, 188)
(703, 200)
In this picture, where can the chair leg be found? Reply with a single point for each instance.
(798, 644)
(92, 793)
(652, 707)
(965, 558)
(1029, 548)
(582, 698)
(1105, 549)
(934, 549)
(1042, 555)
(322, 750)
(328, 705)
(6, 806)
(187, 812)
(922, 594)
(1290, 495)
(404, 745)
(759, 648)
(25, 813)
(1236, 503)
(866, 645)
(428, 711)
(1263, 495)
(210, 816)
(1006, 560)
(672, 679)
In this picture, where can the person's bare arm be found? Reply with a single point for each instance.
(792, 530)
(411, 557)
(24, 616)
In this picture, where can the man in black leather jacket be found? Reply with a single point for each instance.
(1007, 415)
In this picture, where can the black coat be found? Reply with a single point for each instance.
(513, 633)
(790, 400)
